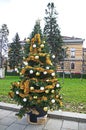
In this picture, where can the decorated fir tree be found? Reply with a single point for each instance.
(38, 86)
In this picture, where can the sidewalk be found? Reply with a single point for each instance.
(57, 120)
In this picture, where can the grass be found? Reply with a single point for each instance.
(73, 92)
(5, 85)
(74, 95)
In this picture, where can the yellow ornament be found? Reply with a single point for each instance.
(31, 88)
(37, 74)
(42, 45)
(57, 96)
(45, 108)
(52, 91)
(35, 97)
(47, 91)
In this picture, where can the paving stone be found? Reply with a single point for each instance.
(22, 121)
(7, 121)
(53, 124)
(71, 125)
(3, 127)
(34, 127)
(16, 127)
(13, 116)
(4, 113)
(82, 126)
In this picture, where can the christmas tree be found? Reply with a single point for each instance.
(38, 85)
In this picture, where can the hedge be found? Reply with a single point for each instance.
(71, 75)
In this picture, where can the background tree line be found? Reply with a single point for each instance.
(51, 34)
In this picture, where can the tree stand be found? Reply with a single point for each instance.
(37, 116)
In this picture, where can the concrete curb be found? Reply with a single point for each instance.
(72, 116)
(55, 114)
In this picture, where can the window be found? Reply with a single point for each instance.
(72, 65)
(72, 52)
(62, 65)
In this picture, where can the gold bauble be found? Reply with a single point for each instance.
(57, 96)
(45, 108)
(52, 91)
(42, 45)
(35, 97)
(37, 73)
(47, 91)
(31, 88)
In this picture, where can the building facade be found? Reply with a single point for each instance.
(72, 61)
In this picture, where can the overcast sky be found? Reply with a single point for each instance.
(20, 16)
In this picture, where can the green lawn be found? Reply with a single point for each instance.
(73, 92)
(74, 95)
(5, 85)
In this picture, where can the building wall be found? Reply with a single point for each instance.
(73, 63)
(77, 60)
(84, 60)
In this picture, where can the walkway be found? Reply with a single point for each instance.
(57, 120)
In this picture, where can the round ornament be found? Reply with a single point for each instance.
(45, 108)
(31, 88)
(57, 96)
(57, 85)
(16, 69)
(45, 72)
(52, 91)
(34, 45)
(53, 56)
(36, 57)
(17, 92)
(37, 73)
(24, 99)
(47, 67)
(53, 100)
(47, 91)
(35, 97)
(41, 88)
(42, 45)
(25, 63)
(31, 71)
(53, 74)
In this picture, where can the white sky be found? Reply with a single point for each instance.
(21, 15)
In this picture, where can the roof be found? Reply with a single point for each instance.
(73, 39)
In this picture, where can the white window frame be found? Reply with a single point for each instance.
(72, 52)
